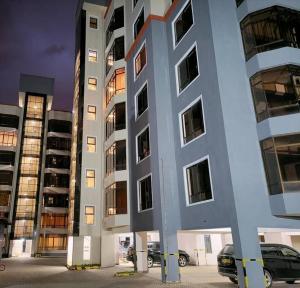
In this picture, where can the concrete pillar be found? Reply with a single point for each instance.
(140, 240)
(248, 257)
(169, 257)
(108, 249)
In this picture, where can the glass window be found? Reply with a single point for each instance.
(4, 198)
(6, 177)
(116, 84)
(25, 208)
(58, 161)
(116, 198)
(54, 221)
(90, 179)
(7, 120)
(92, 84)
(89, 215)
(55, 200)
(28, 186)
(8, 139)
(31, 146)
(91, 144)
(187, 69)
(276, 91)
(92, 55)
(30, 165)
(7, 158)
(270, 29)
(35, 107)
(61, 126)
(192, 122)
(198, 182)
(58, 143)
(142, 101)
(91, 112)
(145, 193)
(116, 119)
(52, 242)
(23, 228)
(116, 157)
(184, 22)
(207, 242)
(115, 53)
(143, 145)
(289, 252)
(33, 128)
(56, 180)
(93, 22)
(140, 61)
(116, 22)
(139, 23)
(282, 163)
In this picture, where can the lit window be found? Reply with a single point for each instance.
(92, 84)
(90, 178)
(145, 193)
(198, 182)
(139, 23)
(92, 56)
(31, 146)
(30, 165)
(142, 101)
(35, 107)
(33, 128)
(91, 144)
(89, 215)
(8, 139)
(187, 69)
(143, 145)
(91, 112)
(140, 61)
(93, 22)
(116, 84)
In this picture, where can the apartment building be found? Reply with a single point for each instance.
(211, 101)
(35, 160)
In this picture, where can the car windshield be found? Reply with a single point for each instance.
(228, 249)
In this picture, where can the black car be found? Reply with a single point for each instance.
(281, 263)
(154, 255)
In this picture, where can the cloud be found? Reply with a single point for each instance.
(55, 49)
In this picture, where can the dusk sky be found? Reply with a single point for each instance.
(37, 37)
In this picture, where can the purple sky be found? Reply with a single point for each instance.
(37, 37)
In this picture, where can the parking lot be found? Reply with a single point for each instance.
(51, 273)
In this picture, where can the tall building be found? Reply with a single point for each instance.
(212, 107)
(35, 148)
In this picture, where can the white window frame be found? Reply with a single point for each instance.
(92, 77)
(186, 182)
(87, 112)
(137, 16)
(88, 136)
(90, 205)
(93, 50)
(181, 128)
(136, 98)
(176, 18)
(138, 193)
(134, 58)
(136, 145)
(85, 177)
(194, 45)
(89, 19)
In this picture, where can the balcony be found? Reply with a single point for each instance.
(116, 85)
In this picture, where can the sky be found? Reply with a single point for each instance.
(37, 37)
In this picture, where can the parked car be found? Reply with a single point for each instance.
(154, 255)
(281, 263)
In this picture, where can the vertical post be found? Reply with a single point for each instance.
(141, 251)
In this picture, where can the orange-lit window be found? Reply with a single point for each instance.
(92, 56)
(35, 106)
(91, 112)
(116, 84)
(33, 128)
(31, 146)
(89, 215)
(92, 84)
(140, 61)
(90, 178)
(8, 139)
(91, 144)
(30, 165)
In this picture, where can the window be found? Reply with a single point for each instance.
(28, 186)
(89, 215)
(7, 158)
(276, 92)
(115, 53)
(58, 143)
(91, 144)
(31, 146)
(192, 122)
(6, 177)
(116, 119)
(92, 84)
(33, 128)
(139, 23)
(145, 193)
(207, 243)
(198, 184)
(93, 22)
(92, 55)
(56, 180)
(57, 161)
(282, 166)
(4, 198)
(30, 165)
(90, 179)
(116, 157)
(91, 112)
(54, 221)
(142, 101)
(7, 120)
(35, 107)
(116, 22)
(187, 69)
(23, 228)
(183, 22)
(116, 84)
(52, 242)
(140, 61)
(270, 29)
(269, 251)
(25, 207)
(8, 139)
(143, 145)
(55, 200)
(116, 198)
(289, 252)
(60, 126)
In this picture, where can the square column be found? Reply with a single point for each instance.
(140, 239)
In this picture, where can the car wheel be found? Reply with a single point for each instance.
(182, 261)
(233, 280)
(290, 282)
(150, 261)
(268, 279)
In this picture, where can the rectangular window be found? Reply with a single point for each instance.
(140, 61)
(91, 112)
(31, 146)
(192, 122)
(33, 128)
(142, 101)
(187, 69)
(143, 145)
(207, 243)
(7, 120)
(8, 139)
(116, 198)
(93, 22)
(183, 22)
(116, 84)
(198, 182)
(28, 186)
(145, 193)
(116, 157)
(116, 22)
(116, 119)
(91, 144)
(90, 178)
(92, 84)
(92, 56)
(115, 53)
(89, 215)
(35, 107)
(139, 23)
(30, 165)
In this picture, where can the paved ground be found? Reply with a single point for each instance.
(51, 273)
